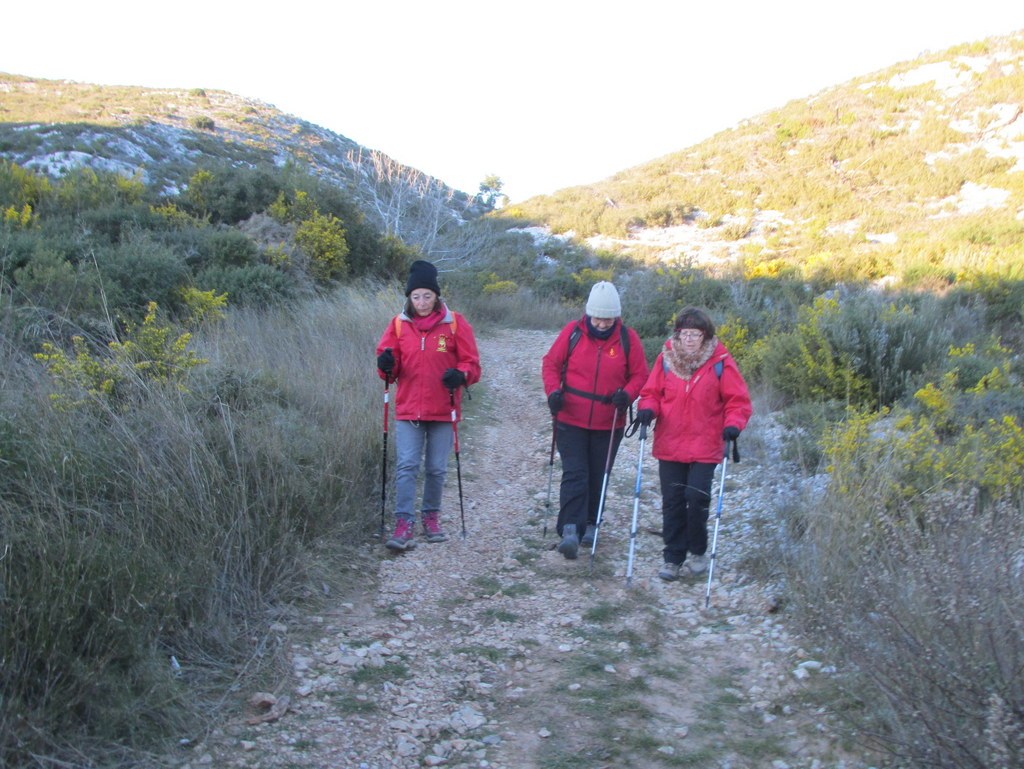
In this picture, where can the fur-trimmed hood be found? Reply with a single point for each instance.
(683, 365)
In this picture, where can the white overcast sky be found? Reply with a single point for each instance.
(544, 94)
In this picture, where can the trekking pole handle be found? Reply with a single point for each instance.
(735, 449)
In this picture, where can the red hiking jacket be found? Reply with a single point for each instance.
(597, 367)
(421, 359)
(691, 413)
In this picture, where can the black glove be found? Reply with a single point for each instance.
(555, 401)
(386, 361)
(621, 400)
(453, 379)
(730, 433)
(644, 416)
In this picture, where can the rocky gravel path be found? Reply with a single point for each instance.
(495, 651)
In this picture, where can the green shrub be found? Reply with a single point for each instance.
(140, 271)
(226, 248)
(863, 350)
(202, 123)
(322, 237)
(229, 195)
(114, 223)
(253, 286)
(501, 287)
(47, 280)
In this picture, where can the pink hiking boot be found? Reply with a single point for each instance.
(432, 527)
(402, 539)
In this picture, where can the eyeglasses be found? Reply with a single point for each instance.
(689, 333)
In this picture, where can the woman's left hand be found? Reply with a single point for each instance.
(453, 379)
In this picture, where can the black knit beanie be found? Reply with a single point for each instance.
(422, 275)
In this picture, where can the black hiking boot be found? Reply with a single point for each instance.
(570, 544)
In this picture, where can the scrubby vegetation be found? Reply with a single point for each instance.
(155, 509)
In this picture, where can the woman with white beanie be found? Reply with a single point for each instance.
(592, 373)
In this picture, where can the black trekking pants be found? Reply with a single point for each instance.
(685, 502)
(584, 453)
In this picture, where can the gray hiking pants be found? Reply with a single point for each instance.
(431, 443)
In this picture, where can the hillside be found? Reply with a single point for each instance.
(163, 134)
(912, 172)
(912, 162)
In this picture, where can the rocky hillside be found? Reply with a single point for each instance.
(888, 174)
(923, 158)
(163, 135)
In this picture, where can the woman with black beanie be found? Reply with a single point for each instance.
(430, 352)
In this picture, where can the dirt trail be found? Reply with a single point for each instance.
(495, 651)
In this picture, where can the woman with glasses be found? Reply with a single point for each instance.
(701, 402)
(592, 373)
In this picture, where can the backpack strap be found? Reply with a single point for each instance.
(574, 338)
(719, 366)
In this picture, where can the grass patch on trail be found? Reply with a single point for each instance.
(489, 653)
(526, 557)
(500, 615)
(389, 671)
(486, 585)
(351, 704)
(764, 749)
(605, 612)
(582, 665)
(695, 758)
(614, 699)
(562, 754)
(518, 589)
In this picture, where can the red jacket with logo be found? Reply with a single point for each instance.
(597, 367)
(691, 413)
(422, 358)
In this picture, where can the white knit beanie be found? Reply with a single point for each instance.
(604, 301)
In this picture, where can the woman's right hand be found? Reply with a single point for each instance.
(555, 402)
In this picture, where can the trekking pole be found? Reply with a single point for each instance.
(604, 489)
(636, 503)
(458, 464)
(384, 460)
(718, 518)
(551, 474)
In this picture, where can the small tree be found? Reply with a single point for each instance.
(490, 192)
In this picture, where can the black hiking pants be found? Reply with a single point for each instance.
(583, 453)
(685, 502)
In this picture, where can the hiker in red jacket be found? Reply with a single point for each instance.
(592, 373)
(430, 352)
(700, 401)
